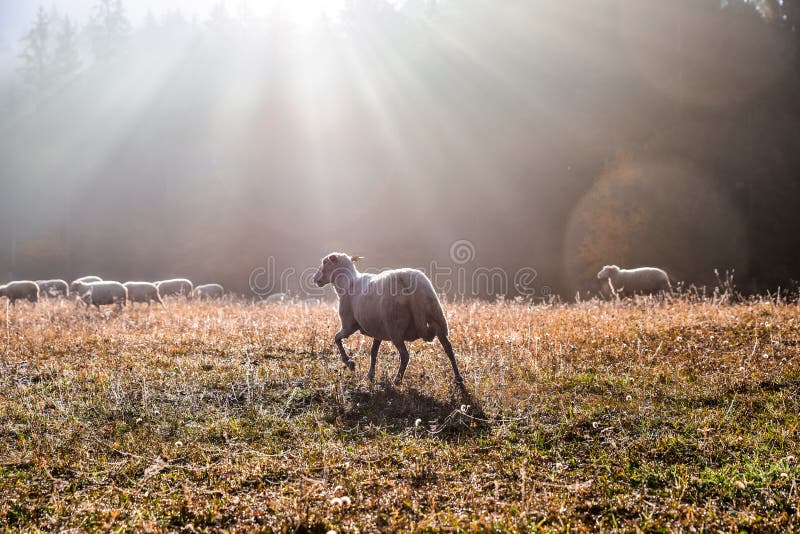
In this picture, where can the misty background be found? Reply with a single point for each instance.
(148, 140)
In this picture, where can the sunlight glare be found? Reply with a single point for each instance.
(303, 13)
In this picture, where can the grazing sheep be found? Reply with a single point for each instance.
(398, 306)
(84, 280)
(143, 292)
(209, 291)
(53, 288)
(102, 293)
(21, 290)
(177, 286)
(643, 280)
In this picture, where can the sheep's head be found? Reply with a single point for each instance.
(607, 272)
(78, 287)
(334, 264)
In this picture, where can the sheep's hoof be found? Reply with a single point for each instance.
(350, 365)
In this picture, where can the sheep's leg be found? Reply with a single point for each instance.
(343, 334)
(373, 357)
(448, 349)
(401, 348)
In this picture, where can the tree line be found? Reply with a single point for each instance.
(561, 137)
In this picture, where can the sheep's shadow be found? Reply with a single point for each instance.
(409, 409)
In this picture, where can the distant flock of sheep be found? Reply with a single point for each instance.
(397, 306)
(94, 291)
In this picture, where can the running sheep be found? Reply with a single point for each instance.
(642, 280)
(143, 292)
(102, 293)
(398, 306)
(20, 290)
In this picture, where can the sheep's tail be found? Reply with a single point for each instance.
(436, 318)
(431, 322)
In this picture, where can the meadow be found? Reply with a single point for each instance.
(652, 416)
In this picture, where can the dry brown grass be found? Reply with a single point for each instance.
(233, 416)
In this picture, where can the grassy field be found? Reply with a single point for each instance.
(595, 416)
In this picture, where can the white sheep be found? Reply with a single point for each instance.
(53, 288)
(20, 290)
(102, 293)
(84, 280)
(143, 292)
(398, 306)
(209, 291)
(176, 286)
(642, 280)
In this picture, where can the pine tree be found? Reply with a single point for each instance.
(109, 28)
(66, 56)
(35, 54)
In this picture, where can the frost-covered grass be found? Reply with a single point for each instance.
(233, 416)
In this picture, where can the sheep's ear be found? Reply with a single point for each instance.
(356, 258)
(333, 257)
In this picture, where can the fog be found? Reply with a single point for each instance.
(155, 140)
